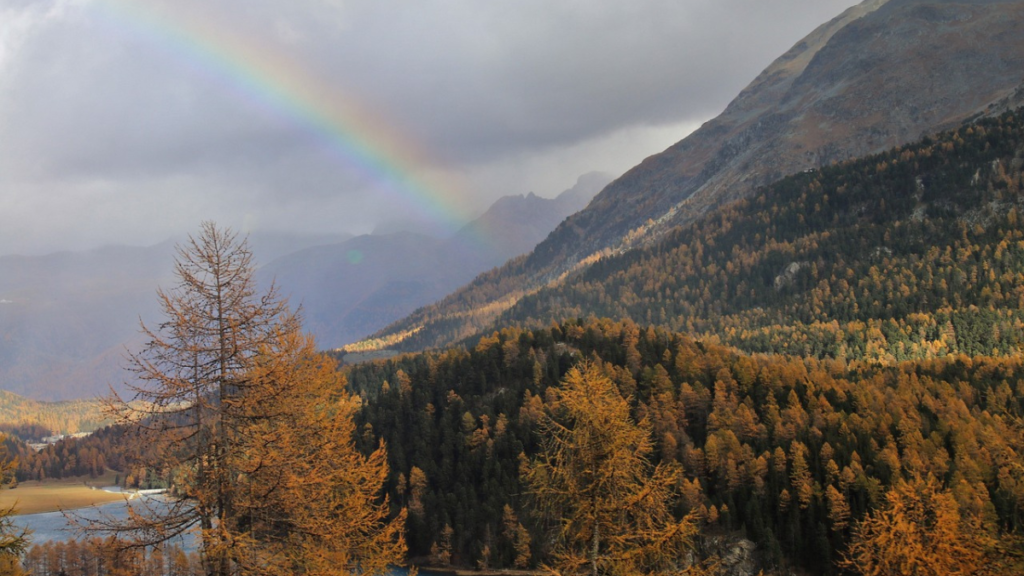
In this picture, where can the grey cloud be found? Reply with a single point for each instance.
(84, 102)
(500, 76)
(111, 132)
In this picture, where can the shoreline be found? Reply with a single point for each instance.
(54, 495)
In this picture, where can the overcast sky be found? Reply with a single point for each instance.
(130, 121)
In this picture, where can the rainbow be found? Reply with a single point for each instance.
(285, 88)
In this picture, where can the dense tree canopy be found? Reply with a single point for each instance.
(13, 540)
(850, 370)
(912, 253)
(920, 530)
(793, 452)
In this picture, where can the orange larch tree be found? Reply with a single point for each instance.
(918, 531)
(594, 478)
(253, 428)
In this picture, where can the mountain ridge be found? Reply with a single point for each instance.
(879, 75)
(909, 254)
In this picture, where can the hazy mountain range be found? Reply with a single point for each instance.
(353, 288)
(66, 318)
(882, 74)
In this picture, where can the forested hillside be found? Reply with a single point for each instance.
(790, 451)
(66, 417)
(822, 356)
(89, 456)
(914, 253)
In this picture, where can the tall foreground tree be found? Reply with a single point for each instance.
(254, 429)
(311, 502)
(13, 540)
(594, 478)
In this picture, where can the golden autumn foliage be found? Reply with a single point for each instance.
(12, 539)
(64, 417)
(595, 478)
(920, 531)
(796, 451)
(253, 430)
(917, 260)
(518, 535)
(311, 502)
(99, 557)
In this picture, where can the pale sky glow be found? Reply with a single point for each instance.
(130, 121)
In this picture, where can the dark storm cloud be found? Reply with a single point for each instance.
(110, 133)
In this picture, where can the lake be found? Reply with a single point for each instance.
(51, 526)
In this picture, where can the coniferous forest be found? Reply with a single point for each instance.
(914, 253)
(849, 332)
(830, 369)
(911, 253)
(792, 452)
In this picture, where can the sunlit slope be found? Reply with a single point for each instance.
(914, 253)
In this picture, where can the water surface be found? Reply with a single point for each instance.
(53, 526)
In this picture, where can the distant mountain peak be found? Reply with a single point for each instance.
(355, 287)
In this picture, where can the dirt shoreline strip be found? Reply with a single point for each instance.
(52, 495)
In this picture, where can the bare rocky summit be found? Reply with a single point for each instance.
(882, 74)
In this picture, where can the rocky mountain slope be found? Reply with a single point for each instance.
(883, 73)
